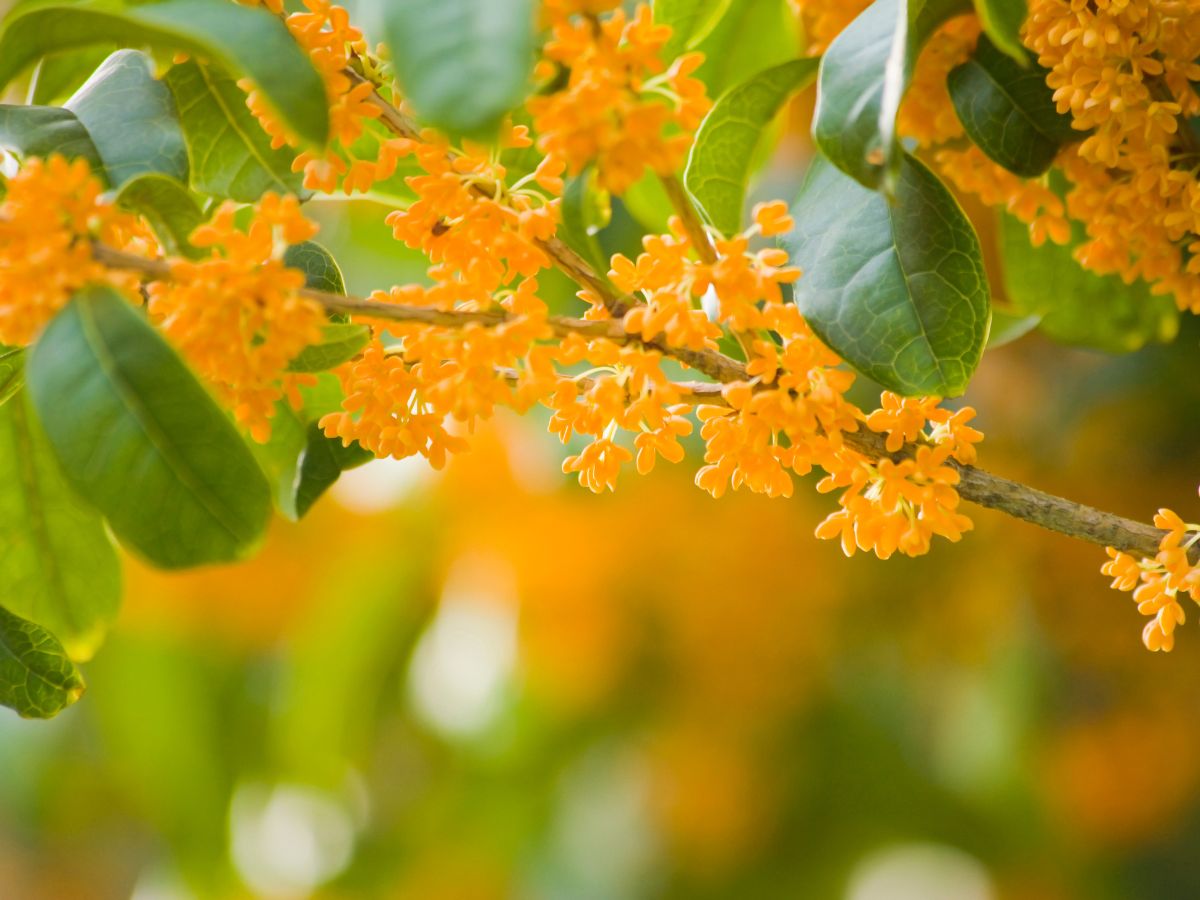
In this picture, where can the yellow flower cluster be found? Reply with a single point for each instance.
(1157, 583)
(50, 214)
(237, 316)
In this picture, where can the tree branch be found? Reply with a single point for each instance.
(980, 487)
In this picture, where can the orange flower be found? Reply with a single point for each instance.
(618, 107)
(237, 316)
(48, 217)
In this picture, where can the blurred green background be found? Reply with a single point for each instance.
(487, 683)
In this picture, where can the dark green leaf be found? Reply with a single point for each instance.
(897, 288)
(131, 117)
(321, 271)
(463, 63)
(231, 155)
(43, 130)
(339, 343)
(719, 166)
(36, 678)
(57, 565)
(1076, 306)
(321, 464)
(247, 42)
(1002, 21)
(863, 77)
(279, 457)
(141, 440)
(1007, 109)
(168, 207)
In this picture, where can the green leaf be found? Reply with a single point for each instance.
(749, 37)
(585, 210)
(43, 130)
(231, 155)
(131, 117)
(57, 565)
(36, 678)
(141, 440)
(1008, 110)
(690, 22)
(321, 464)
(247, 42)
(863, 77)
(462, 63)
(12, 372)
(1002, 21)
(1078, 307)
(719, 165)
(339, 343)
(321, 271)
(1009, 326)
(60, 75)
(897, 288)
(169, 208)
(279, 457)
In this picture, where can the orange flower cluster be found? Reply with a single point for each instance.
(237, 316)
(823, 20)
(1124, 70)
(484, 242)
(51, 212)
(611, 111)
(325, 32)
(892, 505)
(1157, 583)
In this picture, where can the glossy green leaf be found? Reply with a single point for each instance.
(321, 271)
(247, 42)
(750, 36)
(1008, 110)
(141, 440)
(168, 206)
(1079, 307)
(279, 457)
(339, 342)
(131, 117)
(718, 168)
(321, 464)
(462, 63)
(1002, 21)
(690, 22)
(36, 678)
(231, 155)
(57, 565)
(863, 77)
(897, 288)
(43, 130)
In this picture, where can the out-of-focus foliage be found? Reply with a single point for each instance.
(425, 690)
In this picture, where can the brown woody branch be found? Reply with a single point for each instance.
(980, 487)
